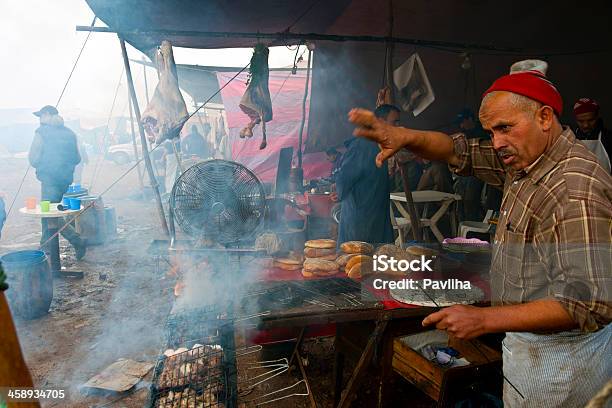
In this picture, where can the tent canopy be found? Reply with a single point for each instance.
(572, 37)
(539, 27)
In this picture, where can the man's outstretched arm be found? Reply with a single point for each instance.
(427, 144)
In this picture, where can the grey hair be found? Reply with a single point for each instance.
(523, 103)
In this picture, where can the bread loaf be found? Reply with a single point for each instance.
(343, 259)
(319, 252)
(307, 274)
(417, 250)
(356, 247)
(320, 243)
(317, 264)
(288, 264)
(358, 259)
(331, 257)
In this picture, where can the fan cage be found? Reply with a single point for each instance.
(218, 200)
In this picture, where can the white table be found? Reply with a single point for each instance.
(53, 225)
(446, 201)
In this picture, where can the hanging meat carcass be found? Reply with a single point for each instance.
(256, 100)
(166, 114)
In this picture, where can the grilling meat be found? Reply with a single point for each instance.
(182, 368)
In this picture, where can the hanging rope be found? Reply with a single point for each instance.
(76, 216)
(75, 63)
(56, 105)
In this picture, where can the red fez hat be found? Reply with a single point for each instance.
(585, 105)
(532, 84)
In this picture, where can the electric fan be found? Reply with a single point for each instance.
(218, 200)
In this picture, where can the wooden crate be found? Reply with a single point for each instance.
(439, 382)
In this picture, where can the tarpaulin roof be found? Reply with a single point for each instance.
(573, 37)
(542, 26)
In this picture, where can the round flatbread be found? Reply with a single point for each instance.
(417, 250)
(343, 259)
(320, 243)
(358, 259)
(319, 252)
(391, 251)
(331, 257)
(287, 266)
(317, 264)
(356, 247)
(325, 273)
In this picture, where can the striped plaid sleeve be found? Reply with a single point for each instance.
(478, 158)
(580, 258)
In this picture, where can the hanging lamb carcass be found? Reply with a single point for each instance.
(166, 114)
(256, 100)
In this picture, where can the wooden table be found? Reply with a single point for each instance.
(53, 225)
(446, 201)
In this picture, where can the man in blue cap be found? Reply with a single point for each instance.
(54, 154)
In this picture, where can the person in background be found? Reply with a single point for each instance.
(335, 158)
(550, 272)
(363, 189)
(223, 147)
(591, 130)
(54, 154)
(195, 145)
(172, 149)
(78, 170)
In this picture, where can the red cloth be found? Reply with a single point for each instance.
(585, 105)
(532, 84)
(287, 92)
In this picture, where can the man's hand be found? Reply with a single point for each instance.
(389, 138)
(461, 321)
(333, 196)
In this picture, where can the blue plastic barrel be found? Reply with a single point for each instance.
(30, 283)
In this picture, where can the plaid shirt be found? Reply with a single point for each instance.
(554, 235)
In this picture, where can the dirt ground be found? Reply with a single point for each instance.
(119, 308)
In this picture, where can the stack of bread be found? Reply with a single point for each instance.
(356, 260)
(319, 258)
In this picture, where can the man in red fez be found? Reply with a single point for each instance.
(550, 268)
(591, 130)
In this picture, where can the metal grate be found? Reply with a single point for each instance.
(189, 326)
(192, 378)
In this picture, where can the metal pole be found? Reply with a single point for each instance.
(299, 152)
(143, 140)
(287, 36)
(144, 72)
(135, 145)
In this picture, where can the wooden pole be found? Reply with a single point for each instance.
(303, 122)
(143, 140)
(135, 145)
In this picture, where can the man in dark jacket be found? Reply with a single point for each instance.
(591, 130)
(54, 154)
(195, 145)
(363, 189)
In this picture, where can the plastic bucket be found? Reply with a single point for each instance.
(30, 283)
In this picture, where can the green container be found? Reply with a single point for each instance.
(44, 206)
